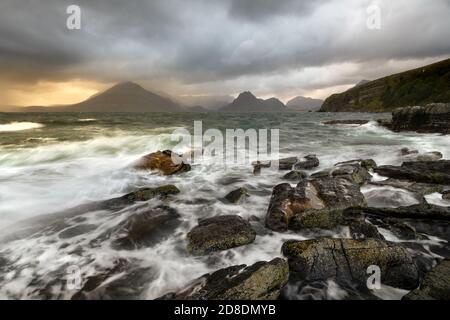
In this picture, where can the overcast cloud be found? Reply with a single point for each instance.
(283, 48)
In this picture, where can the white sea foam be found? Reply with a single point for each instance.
(19, 126)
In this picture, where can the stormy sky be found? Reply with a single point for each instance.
(277, 48)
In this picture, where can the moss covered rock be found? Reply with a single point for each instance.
(219, 233)
(260, 281)
(347, 261)
(435, 286)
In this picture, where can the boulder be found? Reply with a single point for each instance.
(237, 196)
(433, 118)
(295, 175)
(435, 286)
(347, 261)
(350, 170)
(317, 203)
(146, 228)
(260, 281)
(309, 162)
(219, 233)
(435, 172)
(166, 162)
(287, 163)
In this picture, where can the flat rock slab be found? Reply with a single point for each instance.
(261, 281)
(347, 261)
(220, 233)
(419, 211)
(434, 172)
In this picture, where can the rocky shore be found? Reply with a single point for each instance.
(315, 203)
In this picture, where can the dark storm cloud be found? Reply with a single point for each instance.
(203, 43)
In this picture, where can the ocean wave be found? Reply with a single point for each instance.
(87, 120)
(19, 126)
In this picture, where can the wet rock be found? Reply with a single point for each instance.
(146, 228)
(419, 189)
(143, 194)
(446, 195)
(317, 203)
(347, 122)
(295, 175)
(219, 233)
(430, 156)
(76, 231)
(346, 261)
(166, 162)
(260, 281)
(435, 172)
(350, 170)
(420, 211)
(237, 196)
(310, 162)
(360, 229)
(401, 229)
(121, 282)
(368, 164)
(407, 151)
(435, 286)
(287, 163)
(433, 118)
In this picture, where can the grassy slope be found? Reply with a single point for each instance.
(415, 87)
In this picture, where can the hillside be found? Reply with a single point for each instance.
(420, 86)
(302, 104)
(247, 102)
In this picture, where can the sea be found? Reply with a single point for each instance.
(52, 162)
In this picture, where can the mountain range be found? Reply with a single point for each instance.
(247, 102)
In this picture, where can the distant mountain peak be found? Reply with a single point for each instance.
(304, 104)
(248, 102)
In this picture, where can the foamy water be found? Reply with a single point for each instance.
(75, 164)
(19, 126)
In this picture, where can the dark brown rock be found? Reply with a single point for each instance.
(317, 203)
(166, 162)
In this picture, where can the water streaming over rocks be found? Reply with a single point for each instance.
(56, 176)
